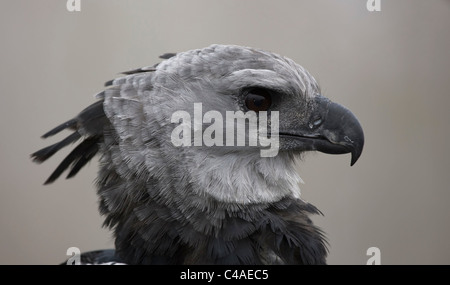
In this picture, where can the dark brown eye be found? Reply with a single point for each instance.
(258, 99)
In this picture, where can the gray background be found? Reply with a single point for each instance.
(391, 68)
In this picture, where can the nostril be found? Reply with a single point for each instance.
(315, 123)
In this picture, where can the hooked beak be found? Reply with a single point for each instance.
(332, 129)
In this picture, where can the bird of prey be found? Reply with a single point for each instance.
(197, 203)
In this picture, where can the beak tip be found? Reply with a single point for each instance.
(356, 153)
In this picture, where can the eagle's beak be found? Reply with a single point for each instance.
(332, 129)
(340, 132)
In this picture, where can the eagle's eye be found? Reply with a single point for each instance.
(258, 99)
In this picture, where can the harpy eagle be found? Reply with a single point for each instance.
(203, 204)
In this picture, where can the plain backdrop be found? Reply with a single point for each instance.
(391, 68)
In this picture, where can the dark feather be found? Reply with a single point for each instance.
(45, 153)
(78, 158)
(70, 124)
(87, 155)
(92, 119)
(109, 83)
(167, 55)
(139, 70)
(89, 123)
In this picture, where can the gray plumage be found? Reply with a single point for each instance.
(200, 204)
